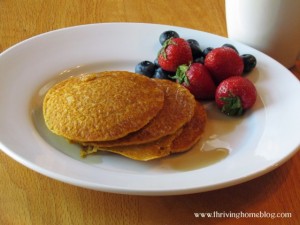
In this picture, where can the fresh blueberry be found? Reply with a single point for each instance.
(193, 42)
(146, 68)
(162, 74)
(231, 46)
(249, 62)
(156, 63)
(206, 51)
(195, 47)
(199, 60)
(167, 35)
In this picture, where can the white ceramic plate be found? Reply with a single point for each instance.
(233, 150)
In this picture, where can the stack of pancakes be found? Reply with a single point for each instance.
(124, 113)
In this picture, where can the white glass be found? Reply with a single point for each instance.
(271, 26)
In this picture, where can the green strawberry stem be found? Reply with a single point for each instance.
(164, 46)
(232, 105)
(181, 76)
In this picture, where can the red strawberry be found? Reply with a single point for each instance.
(197, 80)
(175, 52)
(223, 62)
(235, 95)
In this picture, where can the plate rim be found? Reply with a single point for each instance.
(62, 178)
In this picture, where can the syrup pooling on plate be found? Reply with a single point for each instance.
(196, 159)
(211, 149)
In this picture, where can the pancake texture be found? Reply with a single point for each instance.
(144, 152)
(181, 141)
(191, 132)
(101, 106)
(178, 109)
(124, 113)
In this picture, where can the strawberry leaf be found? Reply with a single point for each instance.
(232, 105)
(181, 76)
(164, 46)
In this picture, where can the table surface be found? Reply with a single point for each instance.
(27, 197)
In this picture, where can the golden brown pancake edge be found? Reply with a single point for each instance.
(101, 106)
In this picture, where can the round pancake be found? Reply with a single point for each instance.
(191, 132)
(101, 106)
(143, 152)
(178, 109)
(182, 140)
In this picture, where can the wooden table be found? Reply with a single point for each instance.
(27, 197)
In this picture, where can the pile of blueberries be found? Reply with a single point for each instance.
(153, 70)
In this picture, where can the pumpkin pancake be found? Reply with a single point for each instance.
(101, 106)
(144, 152)
(182, 140)
(191, 132)
(178, 109)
